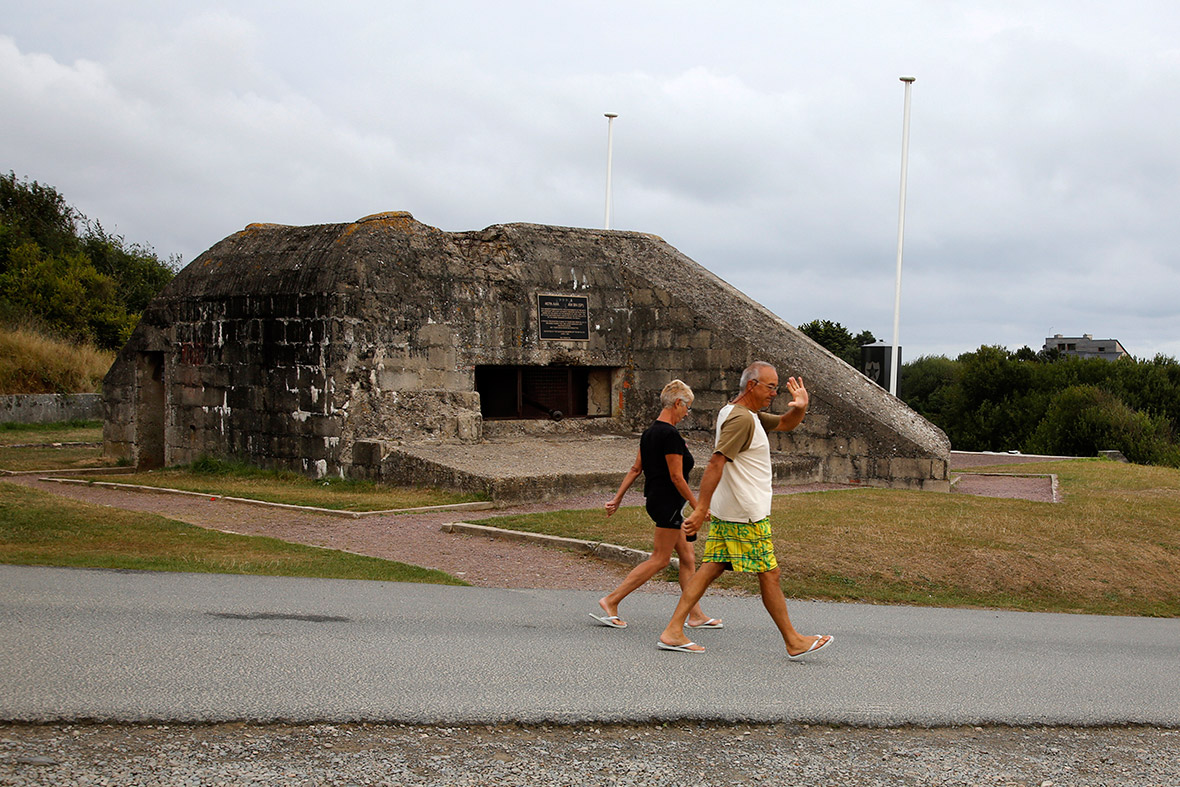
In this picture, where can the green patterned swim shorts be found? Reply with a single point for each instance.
(745, 546)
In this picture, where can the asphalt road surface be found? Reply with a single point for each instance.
(145, 646)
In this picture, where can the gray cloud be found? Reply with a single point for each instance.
(763, 140)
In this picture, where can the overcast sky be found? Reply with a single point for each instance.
(762, 139)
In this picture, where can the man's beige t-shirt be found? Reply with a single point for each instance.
(744, 493)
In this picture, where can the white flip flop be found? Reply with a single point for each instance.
(817, 646)
(614, 621)
(711, 623)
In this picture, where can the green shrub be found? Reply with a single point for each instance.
(83, 284)
(1084, 419)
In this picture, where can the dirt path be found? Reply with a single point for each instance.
(414, 538)
(410, 538)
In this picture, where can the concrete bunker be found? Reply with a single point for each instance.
(387, 349)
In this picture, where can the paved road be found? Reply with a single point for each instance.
(131, 646)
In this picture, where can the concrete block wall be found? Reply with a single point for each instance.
(245, 377)
(50, 408)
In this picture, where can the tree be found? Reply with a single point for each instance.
(139, 272)
(30, 212)
(1025, 353)
(925, 383)
(85, 287)
(67, 295)
(994, 400)
(837, 339)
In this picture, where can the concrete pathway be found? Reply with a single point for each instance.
(135, 646)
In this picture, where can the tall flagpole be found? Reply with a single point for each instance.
(610, 123)
(905, 157)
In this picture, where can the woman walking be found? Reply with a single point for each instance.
(665, 462)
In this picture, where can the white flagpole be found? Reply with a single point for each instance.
(905, 156)
(610, 122)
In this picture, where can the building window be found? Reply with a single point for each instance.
(543, 392)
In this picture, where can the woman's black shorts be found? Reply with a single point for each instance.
(667, 515)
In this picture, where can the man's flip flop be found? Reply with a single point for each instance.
(614, 621)
(816, 646)
(688, 647)
(711, 623)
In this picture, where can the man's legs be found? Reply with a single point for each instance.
(704, 576)
(776, 604)
(688, 569)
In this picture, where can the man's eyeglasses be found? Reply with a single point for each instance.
(772, 386)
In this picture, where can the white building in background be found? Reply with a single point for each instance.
(1086, 346)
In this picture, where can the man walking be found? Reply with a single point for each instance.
(737, 491)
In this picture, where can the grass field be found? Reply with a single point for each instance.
(275, 486)
(32, 446)
(1111, 547)
(38, 529)
(67, 432)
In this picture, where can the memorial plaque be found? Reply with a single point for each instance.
(564, 317)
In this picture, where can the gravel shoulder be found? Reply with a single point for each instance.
(672, 754)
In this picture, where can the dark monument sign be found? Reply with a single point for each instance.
(564, 317)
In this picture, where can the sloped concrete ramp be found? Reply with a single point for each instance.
(538, 469)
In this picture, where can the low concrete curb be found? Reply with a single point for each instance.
(74, 471)
(598, 549)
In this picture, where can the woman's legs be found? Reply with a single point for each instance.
(661, 556)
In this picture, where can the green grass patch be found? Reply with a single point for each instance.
(30, 447)
(1111, 547)
(46, 446)
(234, 479)
(38, 529)
(57, 432)
(50, 458)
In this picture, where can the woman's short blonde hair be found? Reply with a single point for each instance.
(676, 390)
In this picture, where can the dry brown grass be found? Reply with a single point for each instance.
(12, 434)
(61, 446)
(50, 458)
(1111, 547)
(32, 363)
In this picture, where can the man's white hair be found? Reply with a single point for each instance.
(677, 389)
(753, 372)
